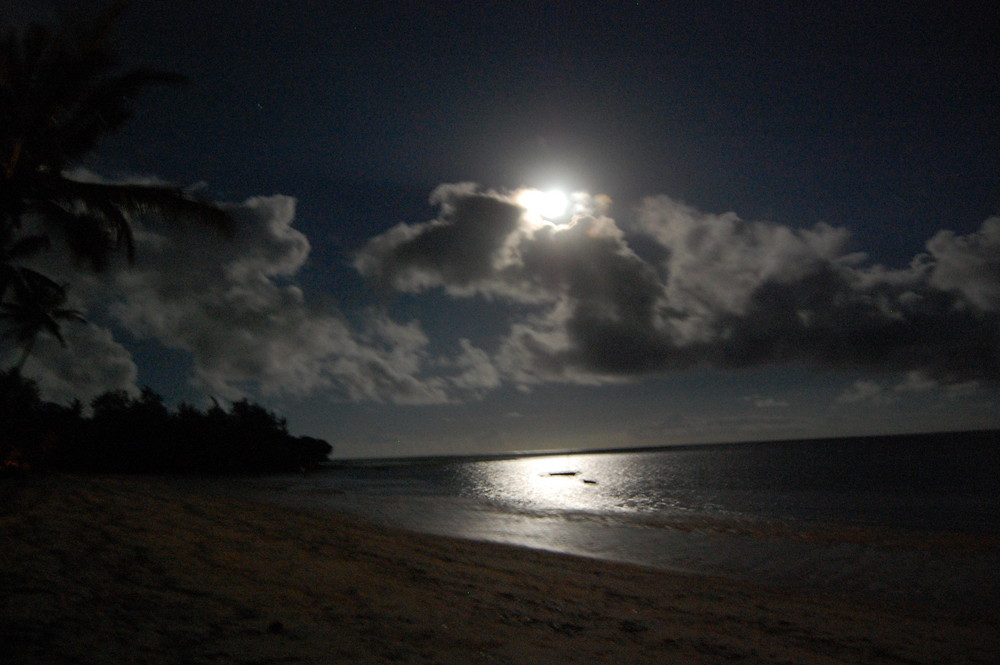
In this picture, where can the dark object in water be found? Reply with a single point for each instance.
(589, 481)
(563, 473)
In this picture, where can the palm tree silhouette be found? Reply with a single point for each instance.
(60, 93)
(37, 306)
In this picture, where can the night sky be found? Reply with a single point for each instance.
(779, 221)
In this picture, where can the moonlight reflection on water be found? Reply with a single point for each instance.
(565, 483)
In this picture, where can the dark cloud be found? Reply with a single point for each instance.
(458, 250)
(708, 290)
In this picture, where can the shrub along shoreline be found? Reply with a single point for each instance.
(141, 434)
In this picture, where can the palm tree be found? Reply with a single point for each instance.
(12, 249)
(37, 306)
(60, 93)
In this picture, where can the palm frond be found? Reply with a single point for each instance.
(35, 289)
(37, 307)
(25, 247)
(60, 91)
(8, 277)
(104, 108)
(69, 315)
(90, 237)
(14, 250)
(171, 203)
(95, 218)
(115, 225)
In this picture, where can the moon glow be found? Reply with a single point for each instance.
(546, 206)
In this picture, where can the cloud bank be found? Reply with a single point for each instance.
(677, 288)
(591, 301)
(232, 304)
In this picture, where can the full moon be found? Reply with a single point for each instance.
(547, 205)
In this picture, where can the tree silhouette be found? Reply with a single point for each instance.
(141, 435)
(37, 306)
(61, 91)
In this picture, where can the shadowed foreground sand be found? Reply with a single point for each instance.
(120, 570)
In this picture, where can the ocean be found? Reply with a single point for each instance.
(903, 519)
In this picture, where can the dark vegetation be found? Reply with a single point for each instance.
(141, 435)
(61, 91)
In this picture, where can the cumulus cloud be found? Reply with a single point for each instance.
(232, 303)
(460, 250)
(678, 288)
(591, 301)
(760, 402)
(916, 382)
(221, 299)
(234, 307)
(870, 392)
(385, 362)
(968, 265)
(91, 363)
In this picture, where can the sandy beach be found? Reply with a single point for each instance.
(125, 570)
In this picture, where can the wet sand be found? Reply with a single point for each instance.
(123, 570)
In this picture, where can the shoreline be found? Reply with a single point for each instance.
(113, 569)
(953, 570)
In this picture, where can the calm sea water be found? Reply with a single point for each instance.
(909, 518)
(947, 483)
